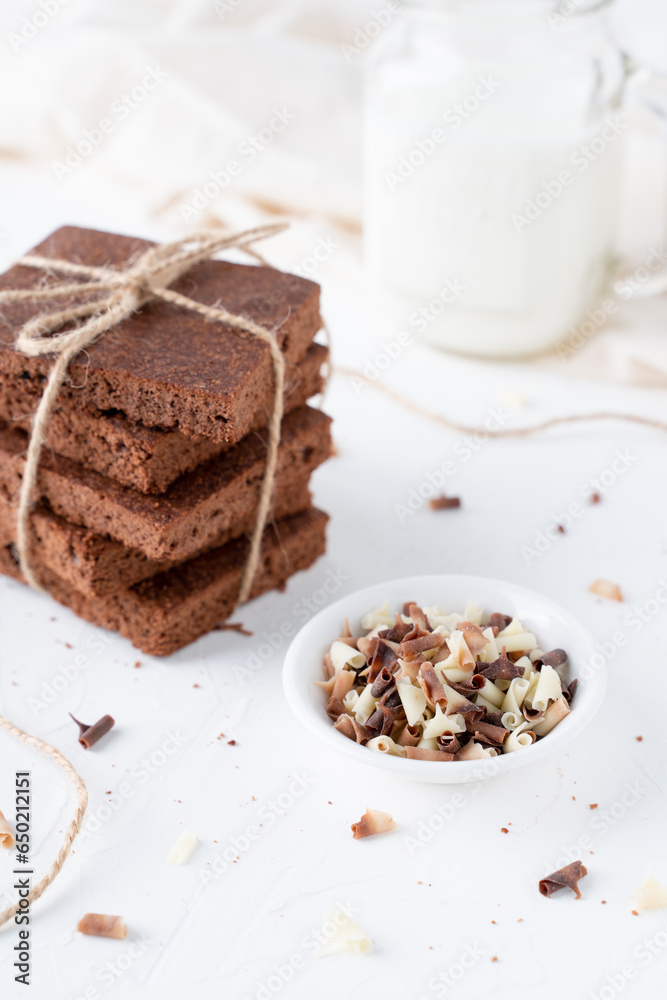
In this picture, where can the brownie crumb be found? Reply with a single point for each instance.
(444, 503)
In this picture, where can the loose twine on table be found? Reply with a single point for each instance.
(74, 827)
(145, 279)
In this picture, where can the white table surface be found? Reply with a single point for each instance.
(470, 886)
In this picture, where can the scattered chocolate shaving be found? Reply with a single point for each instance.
(232, 627)
(406, 608)
(349, 727)
(605, 588)
(102, 925)
(494, 718)
(367, 647)
(89, 735)
(501, 669)
(383, 718)
(371, 823)
(565, 877)
(499, 621)
(444, 503)
(555, 658)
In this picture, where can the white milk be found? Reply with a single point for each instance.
(495, 239)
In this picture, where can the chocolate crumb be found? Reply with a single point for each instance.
(593, 805)
(231, 743)
(195, 685)
(595, 498)
(603, 900)
(137, 664)
(444, 503)
(89, 735)
(495, 958)
(233, 627)
(639, 738)
(504, 829)
(634, 913)
(561, 529)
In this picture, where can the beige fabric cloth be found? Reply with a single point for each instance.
(167, 93)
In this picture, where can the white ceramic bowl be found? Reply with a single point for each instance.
(553, 626)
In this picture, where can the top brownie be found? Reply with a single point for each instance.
(169, 367)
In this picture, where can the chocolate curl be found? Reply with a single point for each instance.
(470, 686)
(406, 608)
(410, 668)
(496, 620)
(343, 682)
(448, 743)
(495, 735)
(384, 656)
(408, 737)
(568, 692)
(473, 635)
(431, 685)
(458, 703)
(329, 669)
(373, 822)
(494, 718)
(556, 658)
(502, 669)
(349, 727)
(382, 719)
(472, 751)
(367, 647)
(418, 616)
(335, 707)
(531, 714)
(89, 735)
(420, 643)
(383, 681)
(102, 925)
(565, 877)
(397, 632)
(421, 753)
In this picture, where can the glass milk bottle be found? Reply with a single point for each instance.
(494, 138)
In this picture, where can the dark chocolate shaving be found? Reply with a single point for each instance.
(493, 718)
(349, 727)
(501, 669)
(448, 743)
(470, 686)
(555, 658)
(565, 877)
(392, 699)
(420, 643)
(484, 731)
(444, 503)
(383, 681)
(383, 658)
(418, 616)
(383, 718)
(406, 608)
(569, 691)
(335, 707)
(397, 632)
(89, 735)
(499, 621)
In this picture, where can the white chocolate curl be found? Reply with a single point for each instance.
(183, 848)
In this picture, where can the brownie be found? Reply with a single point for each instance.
(193, 512)
(165, 366)
(166, 613)
(147, 459)
(96, 565)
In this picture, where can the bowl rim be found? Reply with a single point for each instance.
(307, 643)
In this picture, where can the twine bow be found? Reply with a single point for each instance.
(122, 292)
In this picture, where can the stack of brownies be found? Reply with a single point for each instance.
(154, 459)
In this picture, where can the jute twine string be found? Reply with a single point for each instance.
(75, 825)
(122, 293)
(506, 432)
